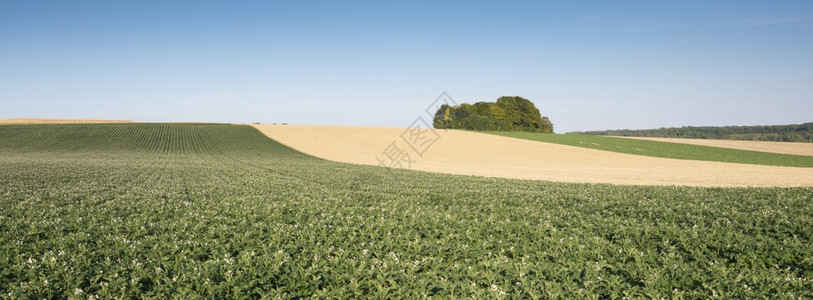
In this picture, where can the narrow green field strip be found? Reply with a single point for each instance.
(666, 149)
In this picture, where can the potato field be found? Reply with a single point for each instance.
(141, 210)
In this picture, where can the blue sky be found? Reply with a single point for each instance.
(586, 64)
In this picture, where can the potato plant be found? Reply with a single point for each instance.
(221, 211)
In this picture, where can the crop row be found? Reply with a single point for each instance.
(159, 210)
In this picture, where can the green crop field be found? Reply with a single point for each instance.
(665, 149)
(221, 211)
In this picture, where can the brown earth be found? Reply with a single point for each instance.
(57, 121)
(470, 153)
(762, 146)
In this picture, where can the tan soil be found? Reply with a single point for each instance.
(762, 146)
(470, 153)
(57, 121)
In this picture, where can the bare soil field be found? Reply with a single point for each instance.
(57, 121)
(471, 153)
(762, 146)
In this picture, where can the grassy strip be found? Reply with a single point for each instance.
(221, 211)
(665, 149)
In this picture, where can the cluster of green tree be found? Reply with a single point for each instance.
(507, 114)
(779, 133)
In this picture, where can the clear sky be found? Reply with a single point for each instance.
(586, 64)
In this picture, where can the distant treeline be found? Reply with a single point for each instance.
(507, 114)
(779, 133)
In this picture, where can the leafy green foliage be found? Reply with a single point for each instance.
(220, 211)
(666, 149)
(777, 133)
(507, 114)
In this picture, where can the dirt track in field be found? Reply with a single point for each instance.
(470, 153)
(57, 121)
(763, 146)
